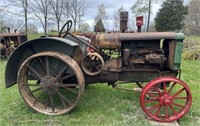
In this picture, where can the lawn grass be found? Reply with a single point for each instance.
(33, 36)
(100, 105)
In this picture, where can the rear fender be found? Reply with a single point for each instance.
(31, 47)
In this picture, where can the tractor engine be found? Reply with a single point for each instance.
(134, 50)
(142, 53)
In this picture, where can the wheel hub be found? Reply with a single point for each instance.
(165, 99)
(48, 84)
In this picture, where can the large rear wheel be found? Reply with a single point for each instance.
(166, 99)
(51, 83)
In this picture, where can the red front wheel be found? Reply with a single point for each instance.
(166, 99)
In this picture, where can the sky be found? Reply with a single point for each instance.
(111, 6)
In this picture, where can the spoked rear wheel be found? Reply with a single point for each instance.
(168, 103)
(51, 83)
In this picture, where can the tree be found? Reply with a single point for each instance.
(21, 4)
(67, 8)
(77, 11)
(13, 25)
(2, 25)
(171, 16)
(58, 6)
(99, 27)
(144, 7)
(101, 15)
(193, 18)
(3, 5)
(116, 20)
(41, 9)
(85, 27)
(32, 29)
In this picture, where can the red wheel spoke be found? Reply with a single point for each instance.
(157, 89)
(166, 112)
(158, 111)
(174, 111)
(165, 89)
(151, 100)
(179, 92)
(170, 89)
(152, 95)
(156, 106)
(181, 98)
(177, 105)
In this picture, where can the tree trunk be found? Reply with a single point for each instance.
(58, 25)
(75, 24)
(149, 16)
(45, 26)
(26, 17)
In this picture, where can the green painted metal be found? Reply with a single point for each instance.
(178, 50)
(180, 36)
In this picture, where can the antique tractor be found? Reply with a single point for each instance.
(52, 72)
(10, 41)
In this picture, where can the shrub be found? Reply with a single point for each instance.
(191, 50)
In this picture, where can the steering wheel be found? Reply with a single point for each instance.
(69, 26)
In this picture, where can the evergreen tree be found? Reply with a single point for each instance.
(170, 17)
(99, 27)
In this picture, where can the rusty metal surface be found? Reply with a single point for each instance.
(51, 84)
(84, 42)
(107, 41)
(12, 34)
(113, 40)
(92, 64)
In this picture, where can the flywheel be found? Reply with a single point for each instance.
(92, 64)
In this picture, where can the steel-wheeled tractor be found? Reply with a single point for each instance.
(52, 72)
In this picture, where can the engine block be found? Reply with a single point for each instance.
(142, 52)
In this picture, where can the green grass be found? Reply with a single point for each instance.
(100, 105)
(33, 36)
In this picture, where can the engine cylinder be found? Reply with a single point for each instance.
(126, 55)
